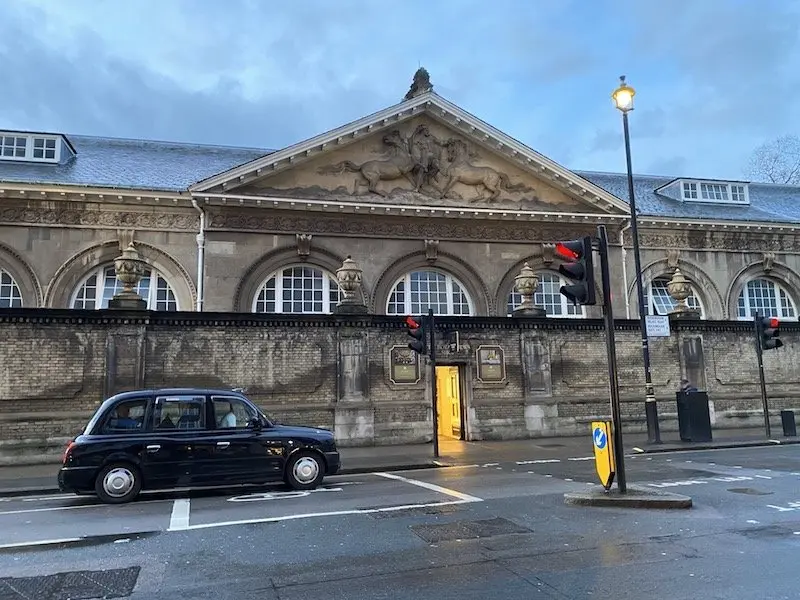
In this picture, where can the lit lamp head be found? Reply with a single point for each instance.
(623, 96)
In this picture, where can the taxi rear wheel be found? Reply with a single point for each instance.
(305, 470)
(118, 483)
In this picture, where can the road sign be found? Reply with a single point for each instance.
(603, 452)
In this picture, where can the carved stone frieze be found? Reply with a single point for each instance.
(718, 240)
(228, 219)
(425, 164)
(28, 213)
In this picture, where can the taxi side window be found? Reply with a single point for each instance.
(231, 413)
(180, 412)
(126, 417)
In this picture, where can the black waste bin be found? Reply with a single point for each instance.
(694, 418)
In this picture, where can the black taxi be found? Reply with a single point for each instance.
(190, 437)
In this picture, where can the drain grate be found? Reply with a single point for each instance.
(71, 585)
(467, 530)
(417, 511)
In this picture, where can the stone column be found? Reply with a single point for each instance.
(349, 279)
(526, 283)
(129, 269)
(680, 290)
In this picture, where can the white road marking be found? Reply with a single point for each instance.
(46, 498)
(40, 543)
(752, 521)
(582, 458)
(540, 461)
(486, 465)
(280, 495)
(180, 515)
(763, 477)
(432, 486)
(336, 513)
(74, 507)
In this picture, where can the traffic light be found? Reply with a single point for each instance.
(416, 329)
(578, 266)
(769, 332)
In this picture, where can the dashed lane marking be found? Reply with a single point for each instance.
(179, 520)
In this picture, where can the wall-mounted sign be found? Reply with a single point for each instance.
(404, 365)
(491, 364)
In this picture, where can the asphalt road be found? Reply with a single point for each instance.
(466, 532)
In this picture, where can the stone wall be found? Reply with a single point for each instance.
(56, 366)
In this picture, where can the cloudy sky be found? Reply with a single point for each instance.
(714, 78)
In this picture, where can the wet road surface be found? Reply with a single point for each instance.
(464, 532)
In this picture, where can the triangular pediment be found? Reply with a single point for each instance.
(424, 152)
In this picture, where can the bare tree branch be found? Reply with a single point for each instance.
(776, 161)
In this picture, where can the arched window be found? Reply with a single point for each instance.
(298, 289)
(767, 298)
(659, 302)
(10, 296)
(548, 297)
(99, 286)
(418, 291)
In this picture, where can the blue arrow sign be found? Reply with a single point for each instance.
(599, 437)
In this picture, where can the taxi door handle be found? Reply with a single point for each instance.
(223, 444)
(153, 448)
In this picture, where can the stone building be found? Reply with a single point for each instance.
(438, 209)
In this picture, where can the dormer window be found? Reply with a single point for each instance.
(714, 191)
(34, 147)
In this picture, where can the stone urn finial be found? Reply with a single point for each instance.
(349, 277)
(526, 283)
(129, 269)
(680, 289)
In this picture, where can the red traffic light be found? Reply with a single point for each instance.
(566, 252)
(412, 323)
(773, 323)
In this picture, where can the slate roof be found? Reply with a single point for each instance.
(169, 166)
(768, 202)
(132, 164)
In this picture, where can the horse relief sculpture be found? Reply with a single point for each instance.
(430, 167)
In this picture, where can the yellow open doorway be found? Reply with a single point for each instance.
(448, 396)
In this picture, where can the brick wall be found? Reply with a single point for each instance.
(56, 366)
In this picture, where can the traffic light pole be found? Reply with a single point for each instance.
(611, 349)
(432, 346)
(762, 381)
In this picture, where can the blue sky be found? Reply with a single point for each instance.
(714, 78)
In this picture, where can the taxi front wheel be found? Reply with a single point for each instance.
(118, 483)
(305, 470)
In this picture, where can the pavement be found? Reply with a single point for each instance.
(467, 531)
(41, 479)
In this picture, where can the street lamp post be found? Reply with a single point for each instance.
(623, 100)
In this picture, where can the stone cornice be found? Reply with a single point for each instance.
(151, 319)
(102, 195)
